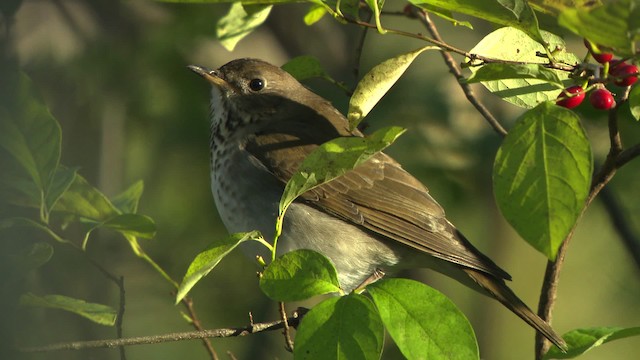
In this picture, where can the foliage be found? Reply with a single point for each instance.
(543, 174)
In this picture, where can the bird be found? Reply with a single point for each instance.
(375, 216)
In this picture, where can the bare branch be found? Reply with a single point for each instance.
(155, 339)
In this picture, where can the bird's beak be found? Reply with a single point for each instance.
(212, 76)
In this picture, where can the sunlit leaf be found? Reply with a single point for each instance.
(127, 201)
(304, 67)
(524, 92)
(98, 313)
(580, 341)
(81, 200)
(299, 275)
(542, 174)
(377, 82)
(496, 71)
(333, 159)
(315, 13)
(239, 22)
(346, 327)
(208, 259)
(423, 322)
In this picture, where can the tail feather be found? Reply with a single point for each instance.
(500, 291)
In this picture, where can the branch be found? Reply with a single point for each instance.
(155, 339)
(620, 223)
(456, 71)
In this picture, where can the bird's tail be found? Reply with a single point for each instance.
(500, 291)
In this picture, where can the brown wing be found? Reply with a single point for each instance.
(378, 195)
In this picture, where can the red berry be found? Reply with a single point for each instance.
(603, 57)
(568, 101)
(602, 99)
(625, 74)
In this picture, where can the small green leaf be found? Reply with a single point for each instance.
(497, 71)
(132, 224)
(299, 275)
(376, 8)
(515, 13)
(377, 82)
(613, 24)
(333, 159)
(38, 254)
(346, 327)
(239, 22)
(424, 323)
(98, 313)
(205, 261)
(26, 222)
(127, 201)
(524, 92)
(304, 67)
(542, 174)
(62, 180)
(31, 135)
(634, 102)
(554, 7)
(315, 13)
(82, 200)
(582, 340)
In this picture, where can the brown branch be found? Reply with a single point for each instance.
(286, 328)
(188, 303)
(549, 290)
(425, 19)
(155, 339)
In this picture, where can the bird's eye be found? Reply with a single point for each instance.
(256, 84)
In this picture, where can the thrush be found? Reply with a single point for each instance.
(376, 216)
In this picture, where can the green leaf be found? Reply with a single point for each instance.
(315, 13)
(62, 180)
(634, 102)
(98, 313)
(299, 275)
(582, 340)
(239, 22)
(445, 14)
(424, 323)
(205, 261)
(84, 201)
(335, 158)
(377, 82)
(26, 222)
(304, 67)
(515, 13)
(31, 135)
(132, 224)
(38, 254)
(523, 92)
(376, 8)
(127, 201)
(346, 327)
(497, 71)
(612, 25)
(554, 7)
(542, 174)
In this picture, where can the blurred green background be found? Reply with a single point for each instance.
(113, 74)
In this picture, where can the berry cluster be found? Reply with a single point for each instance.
(617, 71)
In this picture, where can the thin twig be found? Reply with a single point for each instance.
(359, 48)
(155, 339)
(425, 19)
(286, 328)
